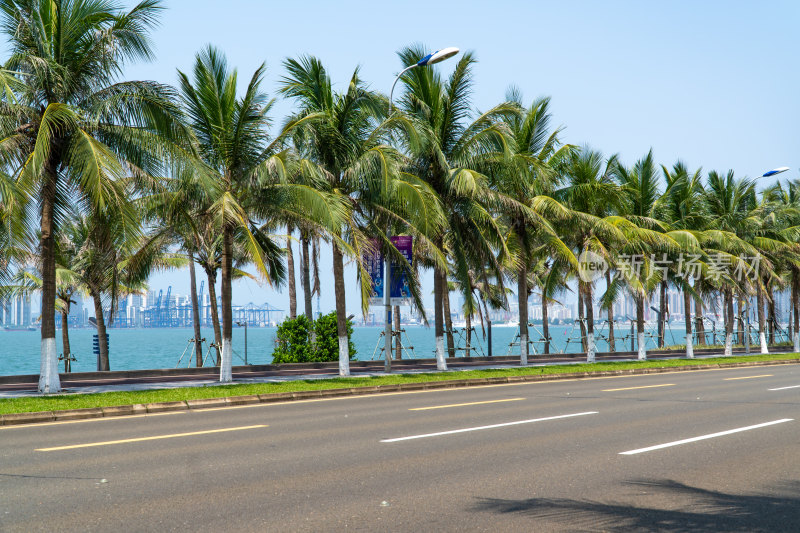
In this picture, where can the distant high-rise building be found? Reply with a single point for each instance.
(26, 310)
(76, 310)
(17, 311)
(136, 300)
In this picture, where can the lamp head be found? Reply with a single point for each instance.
(437, 56)
(774, 171)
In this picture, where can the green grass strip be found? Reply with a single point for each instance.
(109, 399)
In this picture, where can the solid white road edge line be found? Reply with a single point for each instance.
(703, 437)
(464, 430)
(784, 388)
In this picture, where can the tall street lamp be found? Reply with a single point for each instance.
(762, 337)
(430, 59)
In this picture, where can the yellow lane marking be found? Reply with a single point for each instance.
(141, 439)
(642, 387)
(464, 404)
(749, 377)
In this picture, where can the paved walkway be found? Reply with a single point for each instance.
(242, 375)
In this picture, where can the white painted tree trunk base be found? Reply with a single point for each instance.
(591, 348)
(796, 339)
(226, 363)
(642, 354)
(762, 338)
(523, 350)
(344, 356)
(441, 364)
(49, 381)
(689, 346)
(728, 344)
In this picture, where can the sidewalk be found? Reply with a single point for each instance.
(98, 382)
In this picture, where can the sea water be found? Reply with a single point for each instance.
(151, 348)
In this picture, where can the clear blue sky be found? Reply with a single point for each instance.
(714, 83)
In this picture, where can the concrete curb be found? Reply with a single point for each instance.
(14, 419)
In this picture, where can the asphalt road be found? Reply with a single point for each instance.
(711, 450)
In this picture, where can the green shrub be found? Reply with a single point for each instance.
(327, 347)
(293, 343)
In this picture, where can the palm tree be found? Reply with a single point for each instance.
(782, 210)
(683, 208)
(343, 134)
(732, 205)
(175, 204)
(551, 278)
(111, 258)
(647, 236)
(775, 241)
(68, 129)
(67, 286)
(26, 282)
(243, 175)
(526, 177)
(446, 158)
(590, 189)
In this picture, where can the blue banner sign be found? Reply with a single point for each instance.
(400, 282)
(373, 260)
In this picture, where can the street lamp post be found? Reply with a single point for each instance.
(762, 337)
(430, 59)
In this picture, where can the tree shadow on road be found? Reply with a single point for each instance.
(775, 510)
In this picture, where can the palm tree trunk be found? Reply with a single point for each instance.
(65, 337)
(468, 332)
(699, 327)
(290, 272)
(448, 319)
(212, 295)
(662, 314)
(545, 326)
(728, 322)
(796, 313)
(522, 299)
(687, 314)
(771, 319)
(198, 346)
(762, 334)
(740, 333)
(226, 366)
(789, 321)
(49, 381)
(611, 340)
(398, 345)
(306, 281)
(341, 318)
(488, 328)
(438, 316)
(591, 348)
(582, 318)
(102, 343)
(305, 276)
(640, 328)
